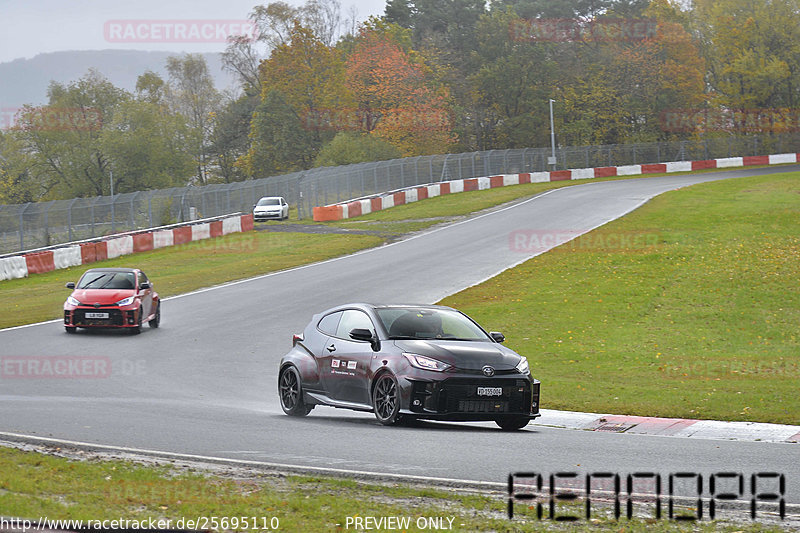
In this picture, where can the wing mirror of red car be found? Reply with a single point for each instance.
(497, 336)
(70, 285)
(144, 286)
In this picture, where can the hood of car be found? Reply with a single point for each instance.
(101, 296)
(263, 208)
(467, 355)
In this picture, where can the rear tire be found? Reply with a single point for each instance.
(70, 329)
(290, 391)
(386, 400)
(512, 423)
(156, 319)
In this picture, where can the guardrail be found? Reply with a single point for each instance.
(34, 225)
(363, 206)
(92, 250)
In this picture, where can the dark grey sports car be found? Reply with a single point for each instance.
(407, 361)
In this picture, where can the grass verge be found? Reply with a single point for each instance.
(182, 268)
(687, 307)
(34, 485)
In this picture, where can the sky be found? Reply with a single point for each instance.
(30, 27)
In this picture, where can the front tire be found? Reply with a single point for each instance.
(386, 400)
(290, 392)
(156, 319)
(512, 423)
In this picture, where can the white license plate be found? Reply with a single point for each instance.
(96, 315)
(490, 391)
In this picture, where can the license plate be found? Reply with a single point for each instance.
(96, 315)
(490, 391)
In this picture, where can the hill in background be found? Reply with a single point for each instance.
(25, 81)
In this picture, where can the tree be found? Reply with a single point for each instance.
(752, 48)
(274, 24)
(347, 148)
(146, 148)
(64, 136)
(231, 138)
(279, 141)
(18, 182)
(191, 93)
(511, 85)
(393, 89)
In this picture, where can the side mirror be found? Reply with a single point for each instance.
(363, 334)
(254, 207)
(70, 285)
(497, 336)
(144, 285)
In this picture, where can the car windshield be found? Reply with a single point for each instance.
(269, 201)
(107, 280)
(415, 323)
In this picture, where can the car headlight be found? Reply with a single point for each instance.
(72, 301)
(425, 363)
(125, 301)
(523, 367)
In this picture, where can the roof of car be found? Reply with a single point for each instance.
(112, 270)
(386, 306)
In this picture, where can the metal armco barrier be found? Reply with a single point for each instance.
(36, 225)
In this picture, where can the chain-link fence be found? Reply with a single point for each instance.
(35, 225)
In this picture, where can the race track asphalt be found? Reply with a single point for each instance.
(205, 382)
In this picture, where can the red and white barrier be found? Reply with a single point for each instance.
(364, 206)
(76, 254)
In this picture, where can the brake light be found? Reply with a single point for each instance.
(297, 338)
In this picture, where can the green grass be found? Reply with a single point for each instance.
(698, 320)
(182, 268)
(34, 485)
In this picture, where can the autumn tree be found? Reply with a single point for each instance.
(393, 87)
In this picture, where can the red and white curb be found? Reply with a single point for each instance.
(670, 427)
(85, 252)
(363, 206)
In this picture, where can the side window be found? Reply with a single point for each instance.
(352, 319)
(329, 323)
(142, 277)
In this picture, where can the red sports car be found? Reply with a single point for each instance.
(112, 298)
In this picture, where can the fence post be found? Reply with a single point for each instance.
(133, 215)
(69, 218)
(22, 226)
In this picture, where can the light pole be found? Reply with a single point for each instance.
(111, 173)
(552, 159)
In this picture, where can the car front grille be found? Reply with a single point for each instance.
(460, 395)
(114, 318)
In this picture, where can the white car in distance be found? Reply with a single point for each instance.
(271, 208)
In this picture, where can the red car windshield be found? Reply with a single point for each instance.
(107, 280)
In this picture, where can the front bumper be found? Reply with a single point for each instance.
(125, 317)
(461, 398)
(270, 215)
